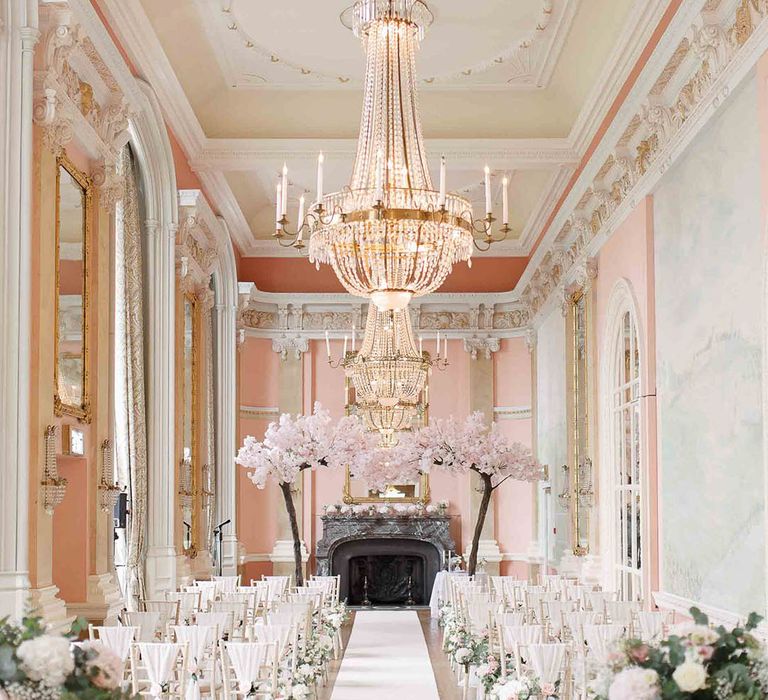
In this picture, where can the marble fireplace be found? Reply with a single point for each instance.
(384, 560)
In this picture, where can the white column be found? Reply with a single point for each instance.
(160, 380)
(18, 35)
(226, 432)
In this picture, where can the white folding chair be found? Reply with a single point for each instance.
(651, 625)
(159, 670)
(168, 609)
(202, 644)
(147, 622)
(118, 639)
(550, 664)
(250, 670)
(223, 621)
(600, 639)
(189, 602)
(226, 584)
(239, 614)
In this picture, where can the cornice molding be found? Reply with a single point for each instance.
(702, 58)
(512, 412)
(478, 318)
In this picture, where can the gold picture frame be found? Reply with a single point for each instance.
(81, 412)
(579, 418)
(193, 302)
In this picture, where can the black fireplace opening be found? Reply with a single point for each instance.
(385, 572)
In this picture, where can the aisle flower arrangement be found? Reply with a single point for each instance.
(35, 664)
(471, 650)
(695, 661)
(390, 510)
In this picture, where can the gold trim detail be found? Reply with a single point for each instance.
(82, 412)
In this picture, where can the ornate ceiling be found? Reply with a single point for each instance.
(519, 85)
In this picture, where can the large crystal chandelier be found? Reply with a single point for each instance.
(389, 235)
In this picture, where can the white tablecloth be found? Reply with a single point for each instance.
(440, 590)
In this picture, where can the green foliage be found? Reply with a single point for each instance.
(735, 661)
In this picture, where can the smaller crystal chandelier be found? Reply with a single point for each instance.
(389, 373)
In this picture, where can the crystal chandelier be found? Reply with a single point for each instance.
(389, 235)
(389, 369)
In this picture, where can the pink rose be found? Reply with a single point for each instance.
(548, 689)
(639, 654)
(705, 652)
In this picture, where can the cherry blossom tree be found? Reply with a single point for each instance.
(458, 447)
(295, 444)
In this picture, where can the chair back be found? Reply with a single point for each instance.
(168, 609)
(159, 670)
(117, 639)
(223, 621)
(147, 622)
(189, 602)
(249, 669)
(574, 623)
(600, 639)
(226, 584)
(650, 625)
(549, 663)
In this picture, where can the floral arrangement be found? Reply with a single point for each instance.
(472, 652)
(695, 661)
(36, 665)
(384, 510)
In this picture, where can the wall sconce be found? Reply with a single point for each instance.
(185, 483)
(108, 490)
(53, 487)
(564, 497)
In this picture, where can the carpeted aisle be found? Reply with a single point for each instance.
(386, 656)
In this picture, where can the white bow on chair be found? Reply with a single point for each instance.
(247, 659)
(159, 660)
(547, 661)
(197, 637)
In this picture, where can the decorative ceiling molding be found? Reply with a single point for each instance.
(136, 34)
(249, 154)
(526, 63)
(468, 316)
(652, 130)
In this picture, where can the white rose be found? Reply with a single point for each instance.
(462, 655)
(47, 659)
(635, 683)
(690, 676)
(299, 691)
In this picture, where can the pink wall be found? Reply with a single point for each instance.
(449, 395)
(256, 515)
(628, 255)
(71, 533)
(514, 500)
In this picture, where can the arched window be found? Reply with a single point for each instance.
(626, 462)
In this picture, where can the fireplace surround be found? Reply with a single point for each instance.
(387, 551)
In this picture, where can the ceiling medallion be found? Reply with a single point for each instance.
(390, 235)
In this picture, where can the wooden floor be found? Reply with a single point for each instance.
(446, 682)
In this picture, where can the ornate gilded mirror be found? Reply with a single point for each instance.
(188, 464)
(581, 466)
(73, 216)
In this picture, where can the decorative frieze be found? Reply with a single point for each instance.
(693, 81)
(77, 96)
(196, 245)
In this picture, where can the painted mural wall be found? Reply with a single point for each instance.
(708, 258)
(552, 442)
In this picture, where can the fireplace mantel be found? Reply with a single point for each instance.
(339, 529)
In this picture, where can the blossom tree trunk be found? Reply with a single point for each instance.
(481, 513)
(289, 506)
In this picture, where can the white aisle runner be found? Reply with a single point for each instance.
(386, 657)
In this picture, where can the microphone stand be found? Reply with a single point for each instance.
(218, 532)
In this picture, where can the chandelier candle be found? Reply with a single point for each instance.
(389, 235)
